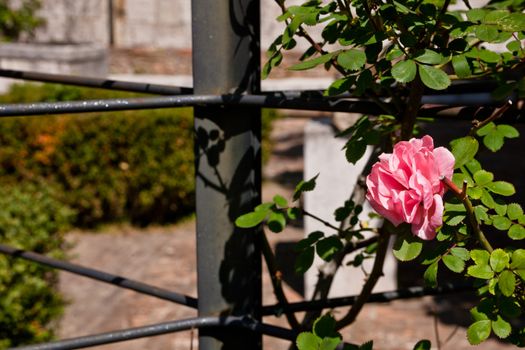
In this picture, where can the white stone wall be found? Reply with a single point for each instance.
(137, 23)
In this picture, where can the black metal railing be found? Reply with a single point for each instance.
(228, 100)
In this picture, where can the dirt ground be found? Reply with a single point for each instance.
(165, 256)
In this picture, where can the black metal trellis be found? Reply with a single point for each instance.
(227, 98)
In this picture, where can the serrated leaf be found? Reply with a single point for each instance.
(461, 66)
(429, 57)
(499, 260)
(313, 62)
(404, 71)
(488, 33)
(276, 221)
(493, 141)
(480, 271)
(501, 327)
(483, 177)
(461, 253)
(464, 149)
(501, 222)
(486, 199)
(433, 78)
(454, 263)
(329, 343)
(478, 332)
(352, 59)
(430, 275)
(280, 201)
(475, 192)
(407, 247)
(480, 257)
(517, 232)
(307, 341)
(514, 211)
(324, 326)
(479, 312)
(304, 261)
(507, 283)
(518, 259)
(327, 247)
(508, 131)
(502, 187)
(481, 212)
(304, 186)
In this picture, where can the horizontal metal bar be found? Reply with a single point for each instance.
(384, 297)
(165, 328)
(116, 280)
(265, 101)
(96, 82)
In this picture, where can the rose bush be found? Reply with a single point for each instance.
(406, 185)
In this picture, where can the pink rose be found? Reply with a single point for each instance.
(406, 186)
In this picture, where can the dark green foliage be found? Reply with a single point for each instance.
(33, 219)
(17, 21)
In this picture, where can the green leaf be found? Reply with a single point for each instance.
(486, 199)
(308, 341)
(251, 219)
(464, 149)
(489, 56)
(355, 149)
(430, 275)
(280, 201)
(508, 131)
(352, 59)
(304, 260)
(483, 177)
(327, 247)
(324, 326)
(501, 187)
(276, 221)
(293, 213)
(340, 86)
(476, 14)
(461, 66)
(480, 257)
(423, 345)
(434, 78)
(517, 232)
(394, 53)
(429, 57)
(501, 222)
(501, 327)
(514, 211)
(488, 33)
(478, 332)
(461, 253)
(313, 62)
(454, 263)
(480, 271)
(499, 260)
(507, 283)
(330, 343)
(407, 247)
(486, 129)
(518, 259)
(404, 71)
(304, 186)
(493, 141)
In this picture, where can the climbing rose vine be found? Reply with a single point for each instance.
(406, 185)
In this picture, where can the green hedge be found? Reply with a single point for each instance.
(30, 218)
(130, 165)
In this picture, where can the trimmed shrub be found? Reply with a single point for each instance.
(129, 165)
(31, 218)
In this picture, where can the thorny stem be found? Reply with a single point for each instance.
(377, 272)
(462, 196)
(276, 277)
(476, 124)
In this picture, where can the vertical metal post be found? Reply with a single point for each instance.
(226, 60)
